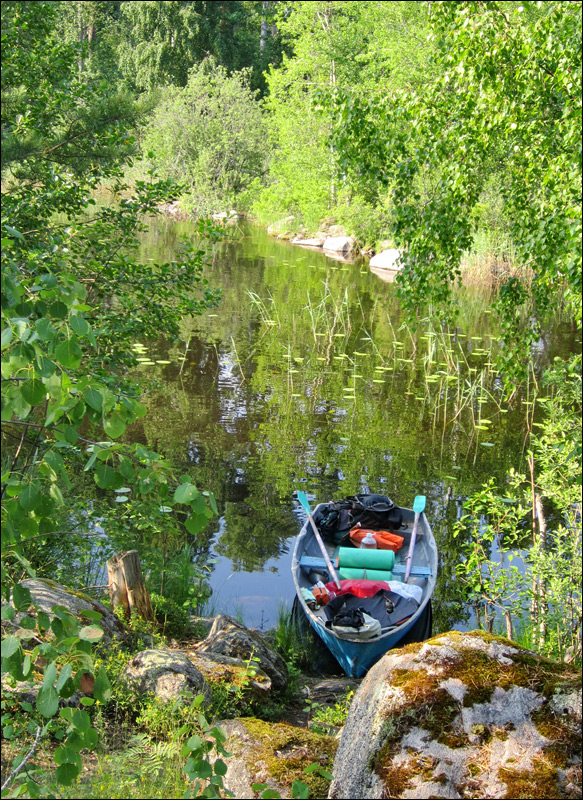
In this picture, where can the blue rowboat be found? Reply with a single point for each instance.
(356, 656)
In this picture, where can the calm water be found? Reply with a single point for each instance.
(304, 377)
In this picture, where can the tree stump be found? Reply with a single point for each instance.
(126, 585)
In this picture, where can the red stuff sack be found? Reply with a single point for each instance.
(359, 587)
(384, 539)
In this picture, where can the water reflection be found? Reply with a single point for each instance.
(305, 377)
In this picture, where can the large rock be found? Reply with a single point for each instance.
(165, 673)
(315, 241)
(387, 259)
(274, 754)
(46, 594)
(229, 638)
(224, 670)
(462, 715)
(339, 244)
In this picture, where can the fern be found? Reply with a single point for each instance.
(149, 756)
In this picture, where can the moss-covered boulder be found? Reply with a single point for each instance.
(462, 715)
(275, 754)
(166, 673)
(223, 670)
(229, 638)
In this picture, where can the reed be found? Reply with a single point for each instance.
(451, 374)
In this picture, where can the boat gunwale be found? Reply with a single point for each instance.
(317, 621)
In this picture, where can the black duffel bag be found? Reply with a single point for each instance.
(374, 511)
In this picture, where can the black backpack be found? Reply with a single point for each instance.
(374, 511)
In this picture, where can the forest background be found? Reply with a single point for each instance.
(438, 128)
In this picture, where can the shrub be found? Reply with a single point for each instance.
(173, 619)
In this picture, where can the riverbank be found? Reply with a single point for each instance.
(464, 711)
(489, 264)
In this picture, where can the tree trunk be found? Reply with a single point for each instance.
(508, 619)
(126, 585)
(542, 590)
(263, 34)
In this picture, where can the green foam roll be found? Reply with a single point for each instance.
(365, 559)
(367, 574)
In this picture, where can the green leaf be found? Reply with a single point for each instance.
(10, 645)
(46, 332)
(105, 476)
(33, 391)
(13, 232)
(66, 774)
(30, 497)
(220, 767)
(43, 620)
(91, 614)
(196, 523)
(114, 425)
(65, 675)
(79, 324)
(93, 398)
(81, 720)
(69, 354)
(300, 790)
(185, 493)
(212, 501)
(102, 688)
(91, 737)
(91, 633)
(21, 597)
(6, 337)
(47, 701)
(50, 674)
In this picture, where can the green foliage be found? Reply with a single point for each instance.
(324, 716)
(206, 777)
(64, 407)
(333, 47)
(172, 618)
(54, 655)
(506, 101)
(144, 769)
(288, 640)
(211, 135)
(159, 42)
(536, 585)
(492, 522)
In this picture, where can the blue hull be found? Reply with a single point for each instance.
(356, 658)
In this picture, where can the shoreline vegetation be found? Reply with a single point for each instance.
(484, 265)
(443, 129)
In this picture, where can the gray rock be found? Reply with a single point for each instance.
(339, 244)
(313, 242)
(46, 595)
(165, 673)
(462, 715)
(218, 668)
(229, 638)
(274, 754)
(387, 259)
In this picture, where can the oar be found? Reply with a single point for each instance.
(304, 501)
(418, 508)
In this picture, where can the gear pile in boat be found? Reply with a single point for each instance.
(375, 511)
(369, 600)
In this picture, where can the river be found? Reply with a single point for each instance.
(306, 377)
